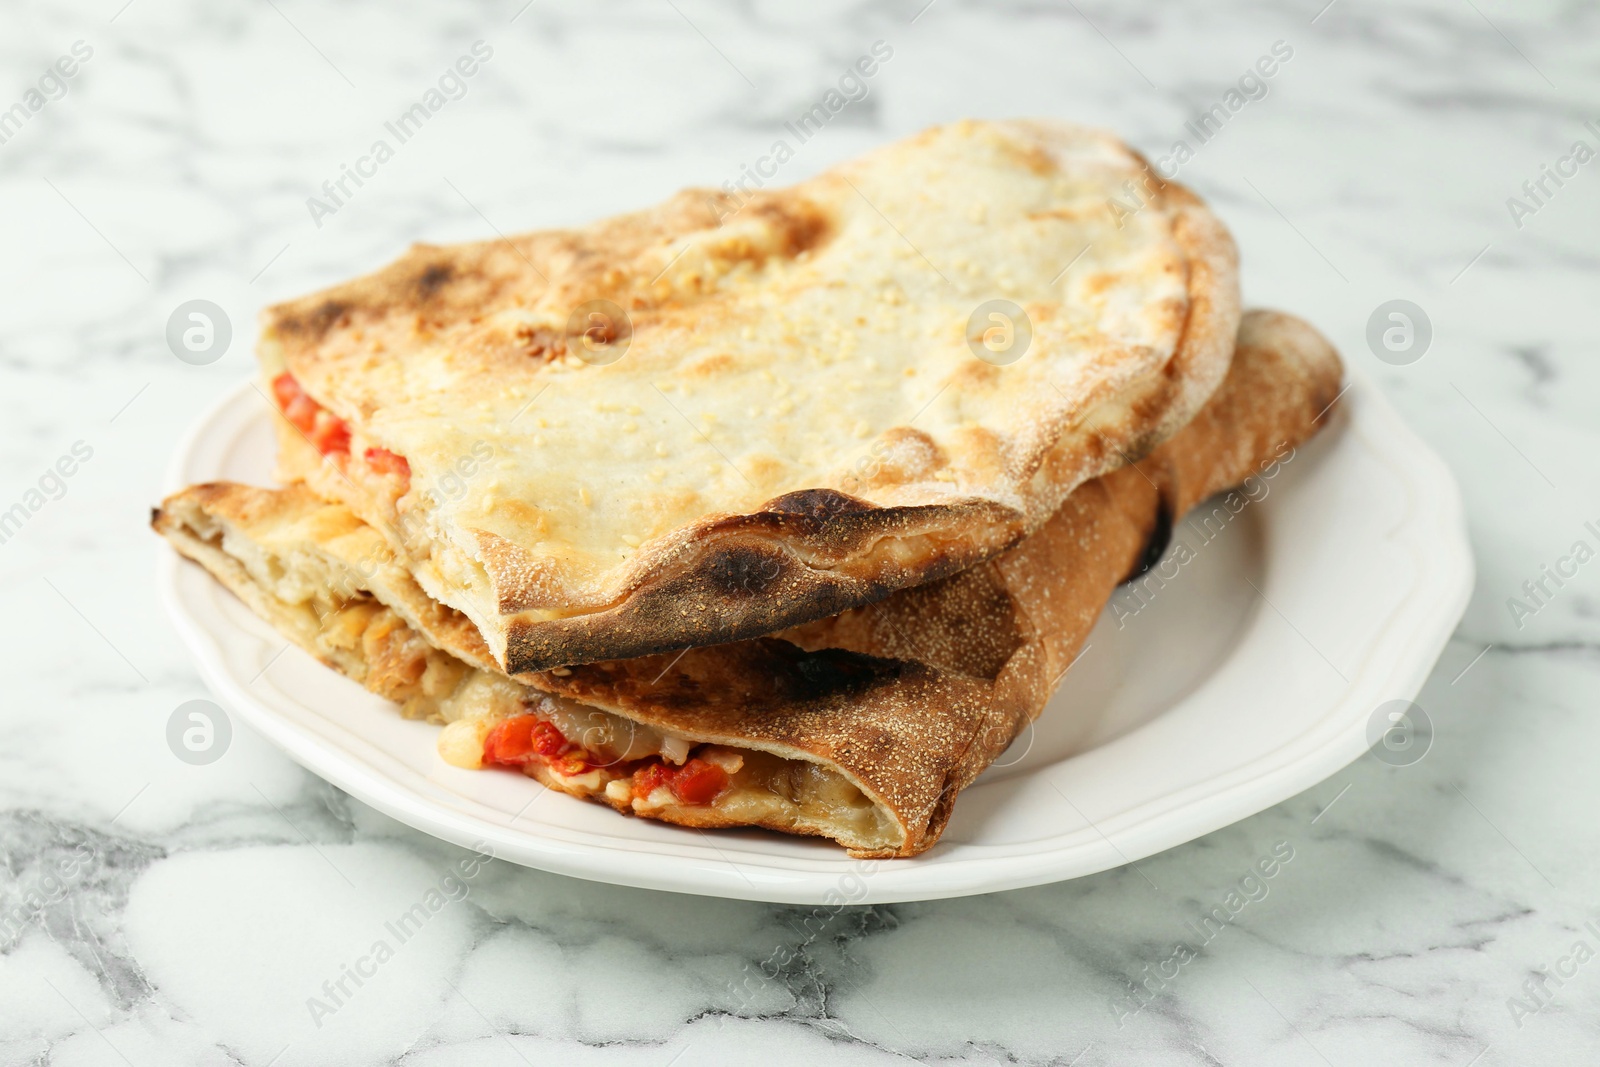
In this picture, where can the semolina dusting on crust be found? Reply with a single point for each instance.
(862, 727)
(798, 423)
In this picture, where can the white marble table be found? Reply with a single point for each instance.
(153, 912)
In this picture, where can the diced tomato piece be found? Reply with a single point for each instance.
(297, 407)
(382, 461)
(649, 778)
(285, 389)
(698, 782)
(522, 739)
(303, 412)
(546, 740)
(510, 741)
(326, 430)
(330, 434)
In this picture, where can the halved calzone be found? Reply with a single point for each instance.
(861, 727)
(738, 412)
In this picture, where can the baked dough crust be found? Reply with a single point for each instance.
(906, 701)
(798, 424)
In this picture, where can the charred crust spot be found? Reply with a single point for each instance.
(711, 602)
(742, 569)
(821, 506)
(829, 672)
(313, 324)
(1155, 545)
(434, 277)
(656, 622)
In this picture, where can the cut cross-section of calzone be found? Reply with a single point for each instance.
(861, 728)
(736, 412)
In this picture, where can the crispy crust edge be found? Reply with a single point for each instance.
(692, 577)
(1020, 692)
(734, 577)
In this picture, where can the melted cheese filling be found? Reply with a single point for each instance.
(314, 601)
(763, 788)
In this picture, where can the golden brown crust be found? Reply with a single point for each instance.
(549, 584)
(804, 556)
(934, 733)
(911, 698)
(915, 696)
(1283, 378)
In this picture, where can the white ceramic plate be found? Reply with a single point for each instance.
(1247, 672)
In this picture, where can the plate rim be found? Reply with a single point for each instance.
(1445, 582)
